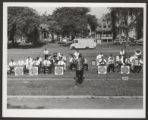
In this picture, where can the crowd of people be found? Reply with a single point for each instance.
(114, 63)
(46, 64)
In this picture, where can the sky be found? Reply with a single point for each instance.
(98, 11)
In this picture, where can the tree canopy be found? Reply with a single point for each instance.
(74, 21)
(23, 22)
(121, 18)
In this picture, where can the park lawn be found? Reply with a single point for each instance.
(66, 87)
(90, 54)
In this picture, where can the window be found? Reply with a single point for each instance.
(104, 26)
(76, 41)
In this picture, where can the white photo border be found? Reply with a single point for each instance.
(69, 113)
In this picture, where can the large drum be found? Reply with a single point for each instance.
(33, 71)
(19, 71)
(59, 70)
(125, 69)
(102, 69)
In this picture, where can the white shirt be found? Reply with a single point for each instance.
(45, 52)
(99, 56)
(12, 64)
(61, 62)
(46, 63)
(64, 58)
(20, 63)
(110, 60)
(122, 52)
(70, 59)
(40, 59)
(76, 54)
(29, 62)
(37, 63)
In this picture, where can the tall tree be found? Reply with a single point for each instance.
(74, 21)
(124, 18)
(22, 22)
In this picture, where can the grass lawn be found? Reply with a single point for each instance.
(66, 87)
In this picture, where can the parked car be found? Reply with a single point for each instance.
(119, 41)
(136, 42)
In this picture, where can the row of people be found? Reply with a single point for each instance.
(135, 62)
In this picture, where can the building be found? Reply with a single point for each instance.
(104, 29)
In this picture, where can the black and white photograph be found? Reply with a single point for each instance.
(77, 60)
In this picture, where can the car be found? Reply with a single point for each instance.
(120, 41)
(139, 42)
(136, 42)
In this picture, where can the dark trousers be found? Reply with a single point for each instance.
(137, 69)
(111, 67)
(79, 76)
(46, 56)
(72, 66)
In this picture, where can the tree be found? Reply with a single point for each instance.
(124, 18)
(22, 22)
(74, 21)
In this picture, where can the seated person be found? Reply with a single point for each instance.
(102, 61)
(99, 56)
(127, 61)
(119, 62)
(8, 69)
(21, 63)
(46, 66)
(111, 63)
(136, 64)
(12, 65)
(29, 63)
(37, 63)
(61, 62)
(63, 58)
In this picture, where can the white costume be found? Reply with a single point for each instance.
(76, 54)
(46, 63)
(29, 63)
(12, 64)
(111, 60)
(61, 62)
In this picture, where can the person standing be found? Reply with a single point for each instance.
(76, 54)
(79, 69)
(45, 52)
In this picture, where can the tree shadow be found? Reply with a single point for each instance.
(25, 46)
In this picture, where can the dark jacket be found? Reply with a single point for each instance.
(80, 63)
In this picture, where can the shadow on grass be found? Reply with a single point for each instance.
(27, 46)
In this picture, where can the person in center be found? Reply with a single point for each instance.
(79, 69)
